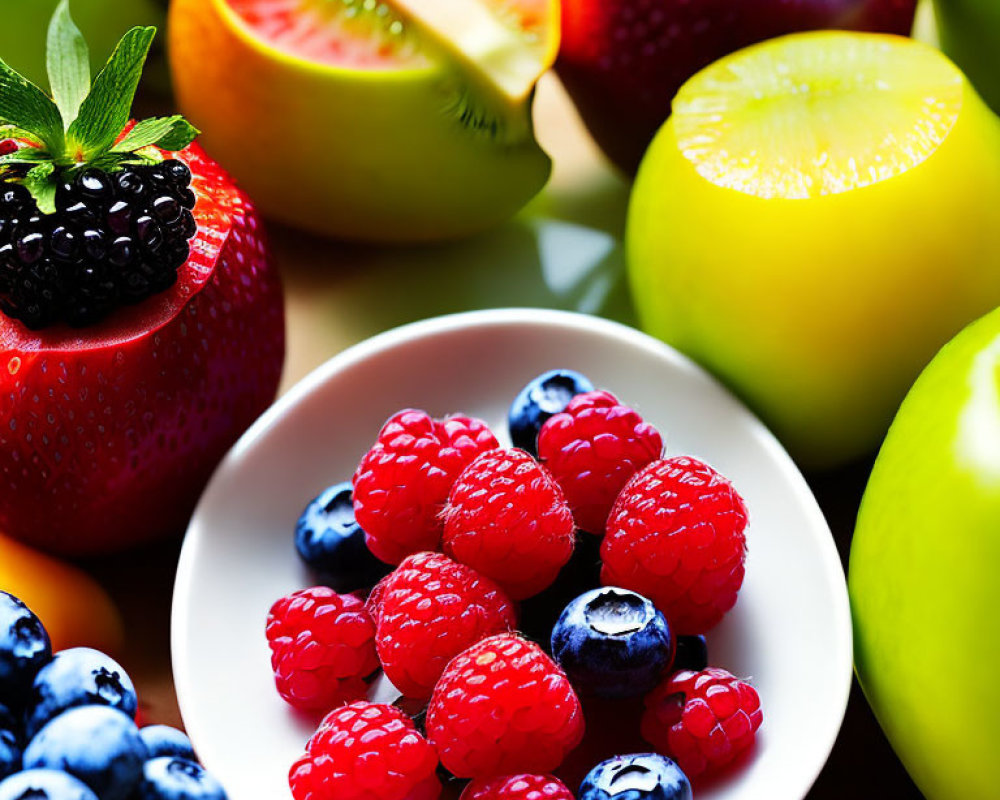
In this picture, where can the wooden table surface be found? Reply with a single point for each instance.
(563, 251)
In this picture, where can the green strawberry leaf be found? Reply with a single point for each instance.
(68, 62)
(170, 133)
(25, 106)
(180, 136)
(105, 111)
(13, 132)
(26, 155)
(41, 182)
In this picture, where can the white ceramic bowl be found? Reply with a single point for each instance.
(790, 631)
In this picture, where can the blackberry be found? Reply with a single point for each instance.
(114, 239)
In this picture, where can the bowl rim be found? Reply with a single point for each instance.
(506, 317)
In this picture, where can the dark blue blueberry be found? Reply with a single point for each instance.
(331, 542)
(9, 721)
(177, 779)
(612, 643)
(24, 649)
(44, 784)
(99, 745)
(546, 395)
(692, 654)
(580, 574)
(10, 743)
(644, 776)
(162, 740)
(79, 676)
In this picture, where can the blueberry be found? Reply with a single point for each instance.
(644, 776)
(162, 740)
(99, 745)
(79, 676)
(177, 779)
(10, 743)
(612, 643)
(692, 653)
(24, 649)
(546, 395)
(331, 542)
(9, 721)
(44, 784)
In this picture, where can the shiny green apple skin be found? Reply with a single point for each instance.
(924, 573)
(25, 22)
(969, 31)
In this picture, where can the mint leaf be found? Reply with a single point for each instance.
(25, 106)
(68, 62)
(170, 133)
(41, 182)
(105, 111)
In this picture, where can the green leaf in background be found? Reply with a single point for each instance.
(25, 106)
(170, 133)
(41, 182)
(106, 109)
(68, 62)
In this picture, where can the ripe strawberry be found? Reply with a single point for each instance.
(109, 432)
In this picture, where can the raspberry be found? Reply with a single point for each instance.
(592, 449)
(431, 609)
(373, 604)
(365, 751)
(322, 648)
(508, 519)
(503, 707)
(517, 787)
(677, 534)
(402, 483)
(702, 720)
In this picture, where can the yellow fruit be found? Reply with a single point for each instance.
(375, 124)
(72, 606)
(815, 220)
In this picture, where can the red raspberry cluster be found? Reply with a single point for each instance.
(474, 528)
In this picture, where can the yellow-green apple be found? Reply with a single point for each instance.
(923, 577)
(815, 220)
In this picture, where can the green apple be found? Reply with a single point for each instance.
(924, 579)
(24, 25)
(969, 31)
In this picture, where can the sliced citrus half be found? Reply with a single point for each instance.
(813, 222)
(400, 120)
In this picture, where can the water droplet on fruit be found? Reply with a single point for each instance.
(14, 365)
